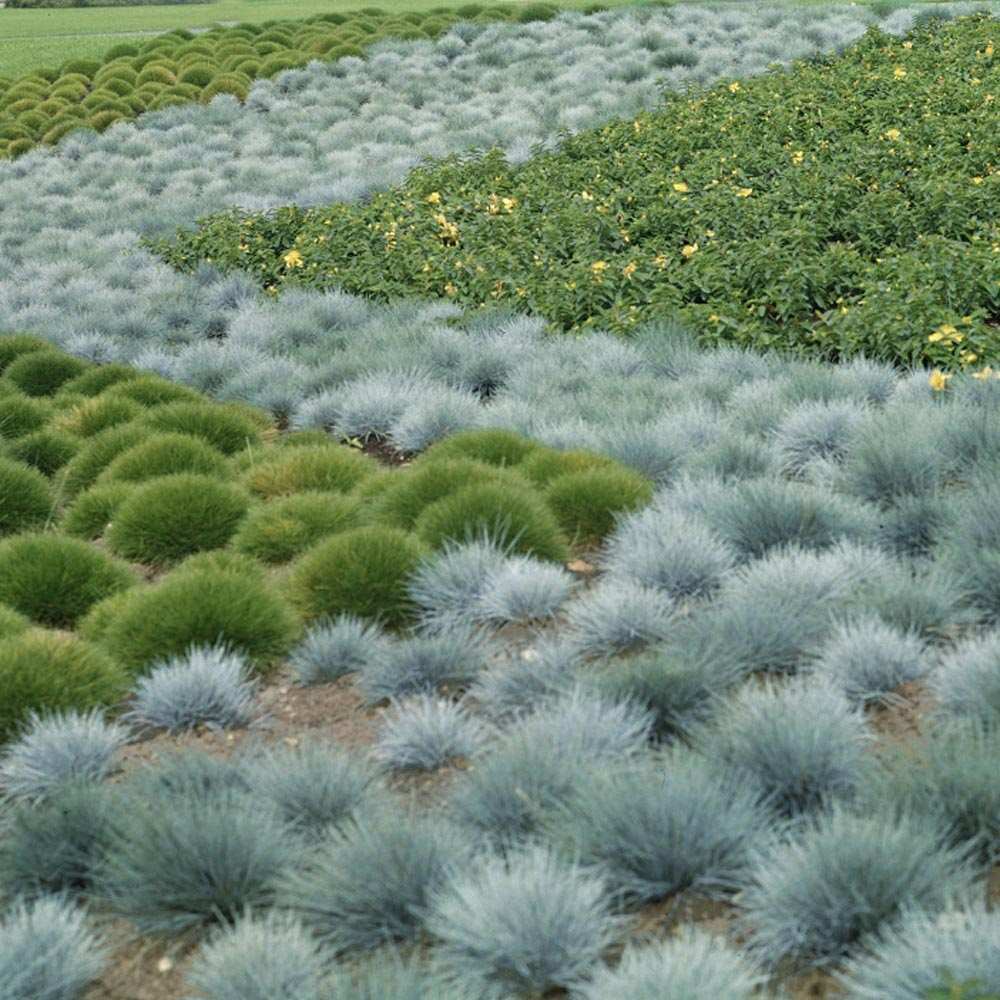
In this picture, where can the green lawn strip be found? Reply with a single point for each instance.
(139, 518)
(841, 206)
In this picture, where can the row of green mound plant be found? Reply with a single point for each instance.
(180, 67)
(138, 518)
(844, 205)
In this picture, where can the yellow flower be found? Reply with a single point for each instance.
(293, 259)
(599, 266)
(744, 192)
(734, 87)
(798, 156)
(938, 380)
(689, 249)
(988, 51)
(509, 204)
(660, 260)
(433, 198)
(892, 133)
(450, 289)
(977, 180)
(935, 337)
(983, 373)
(899, 72)
(681, 187)
(907, 45)
(637, 126)
(586, 196)
(630, 268)
(713, 318)
(968, 357)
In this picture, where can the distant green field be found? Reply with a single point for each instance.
(30, 39)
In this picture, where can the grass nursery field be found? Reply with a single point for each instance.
(538, 535)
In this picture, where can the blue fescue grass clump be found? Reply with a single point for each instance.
(423, 664)
(48, 952)
(662, 826)
(54, 749)
(670, 551)
(799, 740)
(207, 685)
(53, 846)
(185, 861)
(966, 681)
(906, 962)
(523, 590)
(269, 958)
(369, 884)
(334, 648)
(815, 429)
(619, 616)
(694, 965)
(926, 598)
(188, 774)
(867, 659)
(949, 776)
(315, 787)
(522, 924)
(423, 733)
(815, 898)
(387, 976)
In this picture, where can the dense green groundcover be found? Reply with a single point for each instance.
(845, 205)
(180, 67)
(156, 519)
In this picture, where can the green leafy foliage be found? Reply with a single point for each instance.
(839, 207)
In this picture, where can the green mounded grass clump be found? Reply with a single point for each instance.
(25, 498)
(13, 345)
(169, 518)
(175, 69)
(55, 580)
(47, 450)
(21, 415)
(42, 373)
(493, 446)
(12, 623)
(95, 415)
(843, 206)
(228, 427)
(363, 572)
(586, 503)
(48, 672)
(164, 455)
(328, 467)
(283, 529)
(202, 602)
(89, 515)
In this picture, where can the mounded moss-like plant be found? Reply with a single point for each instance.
(814, 899)
(327, 468)
(587, 503)
(492, 446)
(47, 672)
(509, 513)
(55, 580)
(153, 390)
(229, 427)
(543, 465)
(49, 951)
(25, 498)
(13, 345)
(96, 414)
(95, 380)
(362, 572)
(90, 514)
(163, 455)
(197, 604)
(369, 884)
(94, 457)
(41, 373)
(522, 924)
(166, 519)
(184, 861)
(11, 622)
(46, 450)
(21, 415)
(282, 529)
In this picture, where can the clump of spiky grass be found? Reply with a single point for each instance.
(54, 580)
(966, 682)
(523, 589)
(59, 748)
(207, 685)
(423, 664)
(334, 648)
(387, 975)
(619, 616)
(669, 550)
(315, 787)
(661, 827)
(867, 658)
(185, 861)
(268, 958)
(90, 514)
(815, 429)
(368, 884)
(25, 499)
(694, 965)
(814, 899)
(423, 733)
(522, 924)
(48, 951)
(949, 777)
(800, 741)
(164, 455)
(908, 961)
(52, 846)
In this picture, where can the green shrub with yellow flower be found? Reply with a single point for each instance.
(846, 205)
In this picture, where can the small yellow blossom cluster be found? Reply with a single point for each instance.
(891, 134)
(293, 259)
(798, 156)
(597, 270)
(447, 231)
(689, 250)
(496, 204)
